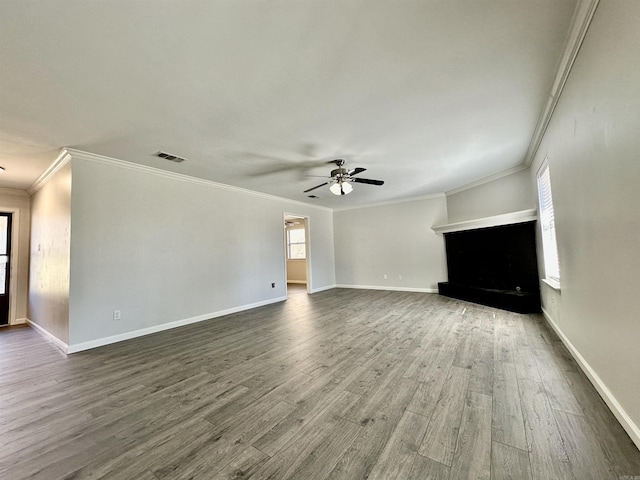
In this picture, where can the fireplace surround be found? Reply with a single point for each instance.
(493, 264)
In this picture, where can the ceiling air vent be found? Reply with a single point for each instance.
(169, 156)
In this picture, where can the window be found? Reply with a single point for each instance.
(296, 246)
(548, 226)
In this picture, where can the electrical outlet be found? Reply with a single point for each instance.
(117, 314)
(273, 285)
(384, 276)
(399, 277)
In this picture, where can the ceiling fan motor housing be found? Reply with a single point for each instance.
(339, 172)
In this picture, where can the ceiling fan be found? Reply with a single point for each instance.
(341, 179)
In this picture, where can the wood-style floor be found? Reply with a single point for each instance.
(343, 384)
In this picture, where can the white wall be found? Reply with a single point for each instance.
(508, 194)
(297, 271)
(593, 145)
(393, 239)
(162, 249)
(19, 203)
(50, 255)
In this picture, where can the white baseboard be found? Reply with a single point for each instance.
(20, 321)
(391, 289)
(297, 282)
(48, 335)
(627, 423)
(99, 342)
(322, 289)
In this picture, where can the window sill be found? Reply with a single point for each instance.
(552, 283)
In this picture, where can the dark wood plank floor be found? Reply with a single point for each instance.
(343, 384)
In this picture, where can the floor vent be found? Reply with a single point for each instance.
(169, 156)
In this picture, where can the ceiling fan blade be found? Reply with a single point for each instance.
(356, 171)
(368, 181)
(317, 186)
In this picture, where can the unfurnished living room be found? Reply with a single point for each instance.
(320, 240)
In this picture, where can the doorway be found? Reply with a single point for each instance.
(297, 270)
(5, 265)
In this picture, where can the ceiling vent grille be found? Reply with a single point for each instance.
(169, 156)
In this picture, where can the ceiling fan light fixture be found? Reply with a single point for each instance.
(340, 180)
(341, 188)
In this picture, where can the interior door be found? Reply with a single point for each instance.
(5, 266)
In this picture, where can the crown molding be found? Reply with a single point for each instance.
(392, 202)
(487, 222)
(96, 158)
(582, 16)
(490, 178)
(11, 191)
(61, 160)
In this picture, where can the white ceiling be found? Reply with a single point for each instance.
(427, 95)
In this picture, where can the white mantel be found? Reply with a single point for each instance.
(521, 216)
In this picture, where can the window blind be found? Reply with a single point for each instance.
(548, 226)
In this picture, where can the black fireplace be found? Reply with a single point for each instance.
(494, 266)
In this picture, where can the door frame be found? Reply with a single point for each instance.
(13, 262)
(307, 241)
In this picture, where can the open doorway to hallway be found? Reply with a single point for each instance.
(296, 229)
(5, 266)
